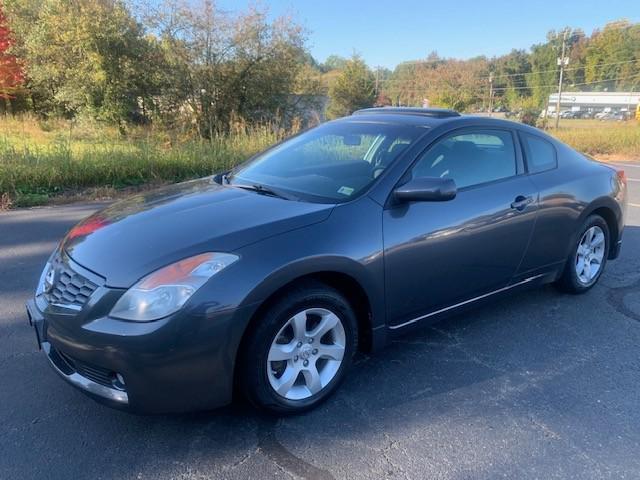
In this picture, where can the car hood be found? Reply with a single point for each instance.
(135, 237)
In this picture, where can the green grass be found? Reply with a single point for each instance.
(600, 138)
(38, 163)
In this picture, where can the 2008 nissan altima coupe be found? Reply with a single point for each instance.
(266, 280)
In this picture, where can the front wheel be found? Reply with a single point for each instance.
(587, 258)
(299, 351)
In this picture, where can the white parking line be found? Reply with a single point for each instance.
(637, 205)
(633, 179)
(637, 165)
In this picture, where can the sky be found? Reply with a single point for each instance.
(388, 32)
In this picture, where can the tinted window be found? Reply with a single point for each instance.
(541, 155)
(331, 163)
(471, 158)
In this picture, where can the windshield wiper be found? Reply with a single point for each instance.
(263, 189)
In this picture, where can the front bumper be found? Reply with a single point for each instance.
(108, 393)
(181, 363)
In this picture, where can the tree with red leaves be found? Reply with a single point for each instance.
(11, 73)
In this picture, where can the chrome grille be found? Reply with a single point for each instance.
(69, 287)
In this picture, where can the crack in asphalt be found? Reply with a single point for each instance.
(616, 296)
(275, 451)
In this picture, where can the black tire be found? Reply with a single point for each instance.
(569, 281)
(252, 376)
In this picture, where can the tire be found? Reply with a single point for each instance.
(572, 281)
(280, 353)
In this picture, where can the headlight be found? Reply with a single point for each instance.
(166, 290)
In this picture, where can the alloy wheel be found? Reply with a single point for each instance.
(306, 354)
(590, 255)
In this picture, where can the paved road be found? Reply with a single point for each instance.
(540, 385)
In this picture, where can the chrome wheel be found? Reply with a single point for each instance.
(590, 255)
(306, 354)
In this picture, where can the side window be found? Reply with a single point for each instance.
(541, 155)
(470, 158)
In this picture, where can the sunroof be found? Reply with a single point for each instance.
(425, 112)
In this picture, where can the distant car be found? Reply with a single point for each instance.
(603, 115)
(622, 116)
(266, 279)
(617, 116)
(583, 114)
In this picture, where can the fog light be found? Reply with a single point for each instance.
(118, 381)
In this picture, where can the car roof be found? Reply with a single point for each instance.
(432, 117)
(424, 117)
(424, 112)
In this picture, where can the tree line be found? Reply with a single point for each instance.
(606, 60)
(176, 64)
(190, 66)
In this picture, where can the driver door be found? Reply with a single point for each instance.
(438, 254)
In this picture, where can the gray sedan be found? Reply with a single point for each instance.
(267, 279)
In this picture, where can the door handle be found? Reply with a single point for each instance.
(521, 202)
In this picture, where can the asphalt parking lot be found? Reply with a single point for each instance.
(539, 385)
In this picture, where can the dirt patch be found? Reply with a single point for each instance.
(98, 194)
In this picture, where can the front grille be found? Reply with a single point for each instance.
(99, 375)
(69, 287)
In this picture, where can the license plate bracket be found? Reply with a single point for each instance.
(37, 322)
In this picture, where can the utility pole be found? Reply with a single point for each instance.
(562, 62)
(491, 94)
(377, 79)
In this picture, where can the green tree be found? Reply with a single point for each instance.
(510, 74)
(544, 70)
(447, 83)
(353, 89)
(613, 56)
(225, 71)
(334, 62)
(85, 56)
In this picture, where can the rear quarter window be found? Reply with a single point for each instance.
(540, 154)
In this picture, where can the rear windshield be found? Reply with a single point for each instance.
(334, 162)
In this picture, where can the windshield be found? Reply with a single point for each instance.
(335, 162)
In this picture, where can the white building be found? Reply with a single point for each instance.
(595, 101)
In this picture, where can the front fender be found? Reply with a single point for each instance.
(317, 265)
(348, 243)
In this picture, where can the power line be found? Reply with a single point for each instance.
(637, 75)
(566, 69)
(537, 72)
(608, 27)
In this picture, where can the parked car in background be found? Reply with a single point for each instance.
(268, 278)
(583, 114)
(603, 114)
(616, 116)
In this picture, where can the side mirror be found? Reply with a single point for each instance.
(426, 189)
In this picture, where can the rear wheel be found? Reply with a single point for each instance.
(300, 351)
(587, 258)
